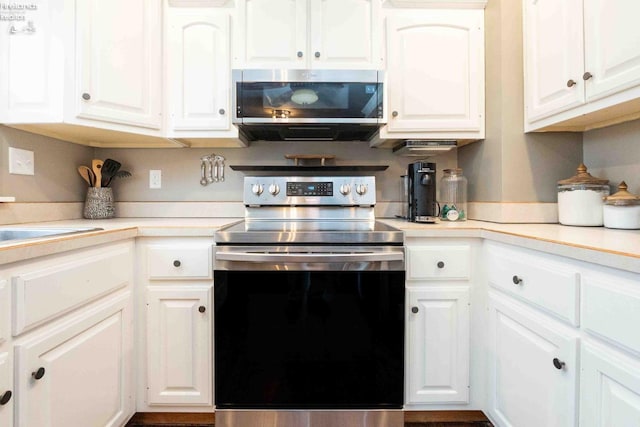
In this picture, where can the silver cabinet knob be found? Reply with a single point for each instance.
(86, 96)
(257, 189)
(345, 189)
(317, 55)
(571, 83)
(394, 114)
(587, 76)
(300, 54)
(221, 111)
(274, 189)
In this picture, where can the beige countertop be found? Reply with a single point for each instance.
(613, 248)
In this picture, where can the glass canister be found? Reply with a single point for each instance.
(622, 209)
(581, 198)
(453, 195)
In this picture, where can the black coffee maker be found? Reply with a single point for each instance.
(422, 192)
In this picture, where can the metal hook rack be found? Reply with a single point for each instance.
(211, 169)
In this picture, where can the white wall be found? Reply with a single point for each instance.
(614, 153)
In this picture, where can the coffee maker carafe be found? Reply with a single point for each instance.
(422, 192)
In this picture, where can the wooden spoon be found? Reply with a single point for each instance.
(96, 166)
(86, 174)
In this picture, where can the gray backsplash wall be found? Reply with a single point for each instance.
(614, 153)
(55, 179)
(181, 169)
(509, 165)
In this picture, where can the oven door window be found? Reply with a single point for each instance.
(309, 340)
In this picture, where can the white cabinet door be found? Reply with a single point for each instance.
(435, 65)
(198, 63)
(31, 64)
(438, 345)
(610, 389)
(78, 374)
(345, 34)
(612, 37)
(526, 389)
(553, 49)
(179, 345)
(119, 62)
(271, 34)
(7, 396)
(5, 311)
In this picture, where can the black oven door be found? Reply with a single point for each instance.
(309, 339)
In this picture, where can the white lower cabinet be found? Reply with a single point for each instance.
(610, 388)
(533, 367)
(175, 324)
(179, 357)
(78, 373)
(438, 345)
(7, 396)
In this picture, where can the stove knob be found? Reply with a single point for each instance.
(257, 189)
(274, 189)
(345, 189)
(361, 189)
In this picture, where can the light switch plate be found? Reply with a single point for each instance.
(21, 162)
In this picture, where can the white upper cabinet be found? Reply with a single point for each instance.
(435, 74)
(31, 65)
(308, 34)
(581, 62)
(554, 61)
(118, 62)
(612, 38)
(197, 54)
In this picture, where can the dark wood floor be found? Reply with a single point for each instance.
(412, 419)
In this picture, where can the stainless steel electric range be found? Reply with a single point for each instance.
(309, 303)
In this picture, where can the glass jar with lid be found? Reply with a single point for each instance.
(453, 195)
(622, 209)
(580, 199)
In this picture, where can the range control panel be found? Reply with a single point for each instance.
(309, 191)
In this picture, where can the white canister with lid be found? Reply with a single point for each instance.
(622, 209)
(580, 199)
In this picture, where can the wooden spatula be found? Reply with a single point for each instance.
(86, 174)
(96, 166)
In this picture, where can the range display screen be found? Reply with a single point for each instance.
(310, 189)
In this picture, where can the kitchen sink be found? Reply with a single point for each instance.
(23, 233)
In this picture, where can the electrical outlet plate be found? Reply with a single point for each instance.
(21, 162)
(155, 179)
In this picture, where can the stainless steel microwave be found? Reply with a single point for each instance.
(308, 104)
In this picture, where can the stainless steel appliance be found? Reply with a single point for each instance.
(308, 105)
(309, 303)
(423, 206)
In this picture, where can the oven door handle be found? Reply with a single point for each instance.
(317, 257)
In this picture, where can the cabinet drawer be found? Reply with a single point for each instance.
(49, 289)
(540, 279)
(611, 308)
(188, 261)
(438, 262)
